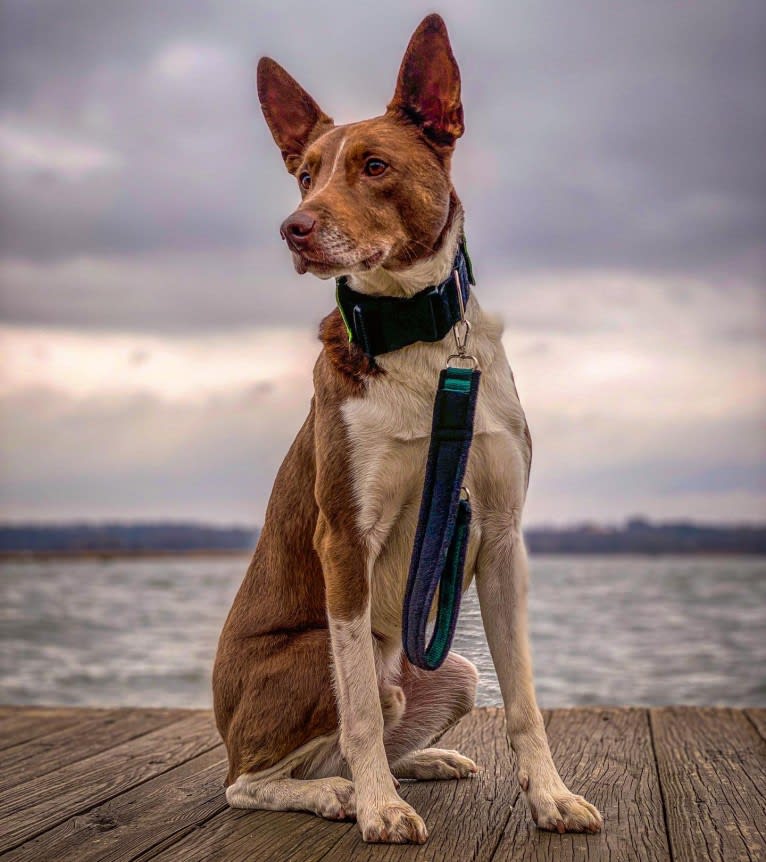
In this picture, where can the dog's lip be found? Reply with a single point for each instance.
(306, 262)
(303, 263)
(373, 259)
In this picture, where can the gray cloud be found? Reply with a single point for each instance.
(614, 182)
(138, 456)
(606, 136)
(133, 455)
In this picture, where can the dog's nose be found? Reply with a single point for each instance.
(297, 228)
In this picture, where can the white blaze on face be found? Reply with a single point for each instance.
(336, 161)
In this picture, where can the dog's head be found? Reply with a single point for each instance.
(375, 193)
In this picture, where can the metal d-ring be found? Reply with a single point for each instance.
(467, 357)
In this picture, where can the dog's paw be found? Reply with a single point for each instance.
(434, 764)
(335, 799)
(561, 811)
(392, 823)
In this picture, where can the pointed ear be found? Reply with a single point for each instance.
(293, 117)
(428, 88)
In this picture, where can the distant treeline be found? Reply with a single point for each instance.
(637, 536)
(123, 538)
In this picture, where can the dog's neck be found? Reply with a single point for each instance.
(430, 270)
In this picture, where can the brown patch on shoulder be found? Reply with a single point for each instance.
(346, 358)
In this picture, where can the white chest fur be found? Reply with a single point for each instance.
(389, 430)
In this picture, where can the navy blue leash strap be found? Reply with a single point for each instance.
(442, 532)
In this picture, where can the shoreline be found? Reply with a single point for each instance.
(138, 554)
(142, 554)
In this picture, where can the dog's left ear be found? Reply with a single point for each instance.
(428, 88)
(293, 117)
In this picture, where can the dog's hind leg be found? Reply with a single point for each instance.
(332, 798)
(418, 706)
(435, 700)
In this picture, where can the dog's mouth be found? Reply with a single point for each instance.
(326, 267)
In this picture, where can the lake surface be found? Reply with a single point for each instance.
(605, 630)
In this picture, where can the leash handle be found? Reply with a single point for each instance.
(450, 591)
(441, 537)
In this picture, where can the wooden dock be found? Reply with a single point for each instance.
(675, 783)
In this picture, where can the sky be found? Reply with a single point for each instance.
(156, 345)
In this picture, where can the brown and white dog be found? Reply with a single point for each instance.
(319, 709)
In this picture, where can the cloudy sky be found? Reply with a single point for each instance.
(156, 345)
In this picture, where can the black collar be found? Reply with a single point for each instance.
(380, 324)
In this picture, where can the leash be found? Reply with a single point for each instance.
(441, 537)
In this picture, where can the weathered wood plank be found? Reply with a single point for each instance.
(758, 720)
(32, 722)
(712, 766)
(251, 836)
(53, 750)
(8, 709)
(160, 796)
(606, 755)
(35, 806)
(156, 812)
(242, 836)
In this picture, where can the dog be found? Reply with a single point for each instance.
(318, 706)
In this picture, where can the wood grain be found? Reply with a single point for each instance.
(304, 838)
(605, 755)
(757, 718)
(251, 836)
(158, 811)
(680, 780)
(34, 806)
(95, 733)
(30, 723)
(712, 765)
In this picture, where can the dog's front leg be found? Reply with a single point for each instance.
(501, 581)
(381, 814)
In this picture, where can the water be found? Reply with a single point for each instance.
(608, 630)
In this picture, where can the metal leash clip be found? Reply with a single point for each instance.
(461, 330)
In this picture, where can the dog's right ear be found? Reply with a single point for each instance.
(428, 87)
(293, 117)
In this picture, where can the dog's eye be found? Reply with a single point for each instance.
(375, 167)
(305, 180)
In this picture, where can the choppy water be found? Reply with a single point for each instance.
(604, 630)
